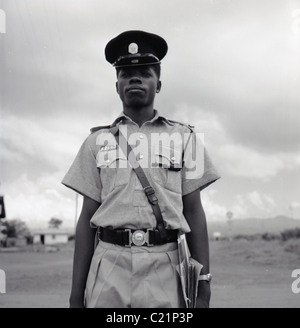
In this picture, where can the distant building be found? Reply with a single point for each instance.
(50, 236)
(217, 235)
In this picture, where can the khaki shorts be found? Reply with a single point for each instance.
(137, 277)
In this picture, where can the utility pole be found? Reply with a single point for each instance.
(291, 208)
(229, 215)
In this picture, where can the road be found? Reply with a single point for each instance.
(246, 274)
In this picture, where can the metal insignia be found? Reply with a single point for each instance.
(109, 147)
(139, 237)
(133, 48)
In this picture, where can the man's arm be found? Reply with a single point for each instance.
(197, 241)
(84, 250)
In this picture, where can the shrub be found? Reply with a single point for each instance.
(290, 233)
(269, 236)
(246, 237)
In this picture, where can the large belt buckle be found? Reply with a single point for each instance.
(138, 238)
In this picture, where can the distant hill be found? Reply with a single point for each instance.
(253, 226)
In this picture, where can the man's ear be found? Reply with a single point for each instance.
(117, 87)
(158, 87)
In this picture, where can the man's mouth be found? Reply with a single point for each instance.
(135, 89)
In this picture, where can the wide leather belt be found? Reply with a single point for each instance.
(129, 237)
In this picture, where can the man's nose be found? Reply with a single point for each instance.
(135, 79)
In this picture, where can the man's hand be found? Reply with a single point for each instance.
(203, 297)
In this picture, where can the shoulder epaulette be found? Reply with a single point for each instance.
(97, 128)
(191, 127)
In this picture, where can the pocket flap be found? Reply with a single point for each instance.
(168, 157)
(111, 158)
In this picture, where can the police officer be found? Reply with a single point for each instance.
(132, 265)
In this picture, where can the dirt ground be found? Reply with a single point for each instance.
(246, 274)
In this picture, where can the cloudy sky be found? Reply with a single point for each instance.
(232, 70)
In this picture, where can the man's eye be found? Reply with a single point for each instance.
(127, 75)
(124, 75)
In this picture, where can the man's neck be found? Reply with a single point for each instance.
(139, 115)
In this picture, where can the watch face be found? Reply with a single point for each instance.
(209, 277)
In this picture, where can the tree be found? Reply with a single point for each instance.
(55, 223)
(16, 228)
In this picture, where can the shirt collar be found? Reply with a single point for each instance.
(157, 116)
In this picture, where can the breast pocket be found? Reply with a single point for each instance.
(167, 168)
(114, 169)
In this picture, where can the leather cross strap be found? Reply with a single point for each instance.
(149, 191)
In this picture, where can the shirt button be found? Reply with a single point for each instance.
(107, 161)
(173, 159)
(141, 136)
(141, 156)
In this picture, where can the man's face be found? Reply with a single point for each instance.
(137, 86)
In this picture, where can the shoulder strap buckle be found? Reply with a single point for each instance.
(150, 193)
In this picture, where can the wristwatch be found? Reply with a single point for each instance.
(206, 277)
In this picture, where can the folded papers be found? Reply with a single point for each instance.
(189, 270)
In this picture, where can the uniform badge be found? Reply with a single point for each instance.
(108, 147)
(133, 48)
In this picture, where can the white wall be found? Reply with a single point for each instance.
(51, 239)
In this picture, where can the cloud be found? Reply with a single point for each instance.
(232, 70)
(36, 147)
(246, 162)
(214, 211)
(254, 202)
(36, 202)
(243, 62)
(295, 204)
(234, 157)
(259, 200)
(245, 69)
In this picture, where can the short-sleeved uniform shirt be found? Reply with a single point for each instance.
(172, 156)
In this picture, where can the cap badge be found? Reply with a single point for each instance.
(133, 48)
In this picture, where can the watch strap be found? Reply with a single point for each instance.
(206, 277)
